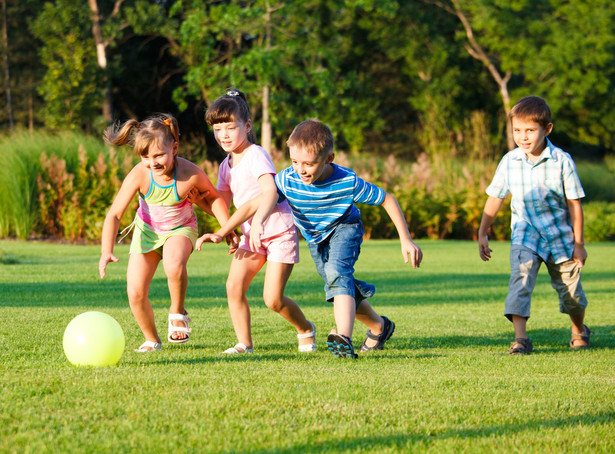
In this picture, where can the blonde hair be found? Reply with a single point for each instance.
(158, 128)
(312, 136)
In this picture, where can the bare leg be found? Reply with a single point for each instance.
(176, 252)
(369, 317)
(141, 269)
(578, 328)
(344, 312)
(244, 267)
(519, 324)
(276, 277)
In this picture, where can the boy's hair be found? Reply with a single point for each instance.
(532, 108)
(233, 106)
(312, 136)
(161, 128)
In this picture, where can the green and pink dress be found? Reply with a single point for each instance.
(161, 215)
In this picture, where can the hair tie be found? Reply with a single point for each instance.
(232, 93)
(166, 122)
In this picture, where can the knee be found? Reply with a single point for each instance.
(234, 289)
(274, 302)
(136, 296)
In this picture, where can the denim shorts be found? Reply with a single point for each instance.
(335, 258)
(565, 279)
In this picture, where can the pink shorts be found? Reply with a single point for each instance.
(282, 248)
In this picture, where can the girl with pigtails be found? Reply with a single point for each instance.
(165, 226)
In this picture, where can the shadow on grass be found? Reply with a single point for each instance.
(405, 440)
(545, 340)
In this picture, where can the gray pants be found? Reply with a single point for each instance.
(565, 279)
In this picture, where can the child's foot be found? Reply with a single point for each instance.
(376, 341)
(580, 341)
(340, 345)
(179, 331)
(307, 340)
(149, 346)
(521, 346)
(238, 349)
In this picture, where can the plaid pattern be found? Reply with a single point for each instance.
(540, 218)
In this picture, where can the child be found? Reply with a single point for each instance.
(247, 172)
(547, 222)
(322, 195)
(165, 226)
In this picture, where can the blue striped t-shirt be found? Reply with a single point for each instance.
(319, 207)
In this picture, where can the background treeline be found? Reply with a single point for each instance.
(416, 92)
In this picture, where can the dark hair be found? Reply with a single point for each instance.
(233, 106)
(532, 108)
(160, 128)
(313, 136)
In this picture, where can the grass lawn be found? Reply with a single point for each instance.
(444, 382)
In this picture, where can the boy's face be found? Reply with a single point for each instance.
(530, 136)
(311, 167)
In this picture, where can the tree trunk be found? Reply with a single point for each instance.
(476, 51)
(266, 124)
(101, 54)
(7, 78)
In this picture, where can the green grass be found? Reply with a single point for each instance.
(444, 383)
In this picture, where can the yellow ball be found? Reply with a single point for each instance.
(93, 339)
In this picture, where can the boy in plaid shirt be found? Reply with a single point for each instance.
(547, 222)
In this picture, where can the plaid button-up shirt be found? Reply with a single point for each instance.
(540, 217)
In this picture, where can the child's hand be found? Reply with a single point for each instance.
(256, 231)
(580, 254)
(207, 238)
(194, 196)
(102, 263)
(483, 248)
(233, 242)
(411, 253)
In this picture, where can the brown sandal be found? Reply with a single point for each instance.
(521, 346)
(583, 337)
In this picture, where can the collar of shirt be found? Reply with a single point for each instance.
(547, 153)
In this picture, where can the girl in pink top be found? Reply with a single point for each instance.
(245, 173)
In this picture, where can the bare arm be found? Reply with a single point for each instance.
(127, 191)
(576, 217)
(408, 247)
(269, 199)
(492, 206)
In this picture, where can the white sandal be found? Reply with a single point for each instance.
(308, 347)
(179, 329)
(236, 349)
(153, 347)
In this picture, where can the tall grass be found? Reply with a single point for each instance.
(444, 382)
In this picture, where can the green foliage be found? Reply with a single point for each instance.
(72, 86)
(599, 221)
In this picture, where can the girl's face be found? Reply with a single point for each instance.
(232, 136)
(160, 159)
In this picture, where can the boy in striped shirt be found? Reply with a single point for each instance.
(547, 222)
(322, 197)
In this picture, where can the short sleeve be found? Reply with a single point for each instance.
(572, 184)
(499, 185)
(368, 193)
(223, 174)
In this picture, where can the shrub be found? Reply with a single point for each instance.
(599, 221)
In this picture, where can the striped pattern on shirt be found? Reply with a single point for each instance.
(540, 218)
(319, 207)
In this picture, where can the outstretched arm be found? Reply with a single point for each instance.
(242, 214)
(408, 247)
(127, 191)
(576, 217)
(492, 206)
